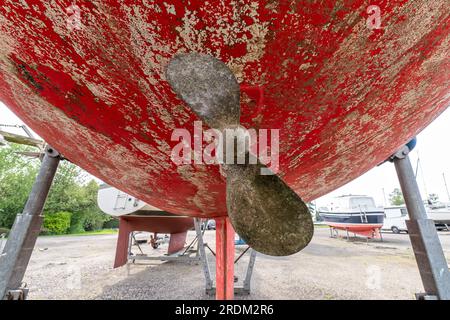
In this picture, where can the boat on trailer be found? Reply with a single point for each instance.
(354, 213)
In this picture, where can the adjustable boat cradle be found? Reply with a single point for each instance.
(427, 248)
(27, 225)
(422, 232)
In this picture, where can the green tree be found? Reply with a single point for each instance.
(17, 174)
(71, 192)
(57, 223)
(396, 197)
(64, 190)
(87, 214)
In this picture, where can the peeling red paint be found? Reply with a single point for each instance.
(344, 97)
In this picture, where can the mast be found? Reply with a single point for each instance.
(446, 187)
(419, 165)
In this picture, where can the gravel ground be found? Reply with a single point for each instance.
(80, 267)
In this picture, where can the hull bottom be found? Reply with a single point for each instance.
(370, 230)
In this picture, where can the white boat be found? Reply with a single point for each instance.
(439, 212)
(354, 213)
(118, 203)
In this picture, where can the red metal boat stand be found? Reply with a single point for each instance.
(130, 224)
(224, 259)
(225, 287)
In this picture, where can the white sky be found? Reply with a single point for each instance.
(432, 146)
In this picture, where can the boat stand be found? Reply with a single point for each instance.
(225, 288)
(187, 254)
(16, 254)
(225, 281)
(243, 289)
(334, 233)
(422, 232)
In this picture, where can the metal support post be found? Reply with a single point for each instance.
(427, 248)
(22, 238)
(248, 274)
(201, 251)
(220, 278)
(224, 259)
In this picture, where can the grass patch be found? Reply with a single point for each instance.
(86, 233)
(320, 226)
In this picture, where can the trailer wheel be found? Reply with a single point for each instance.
(395, 230)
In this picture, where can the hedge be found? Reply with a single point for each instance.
(111, 224)
(57, 223)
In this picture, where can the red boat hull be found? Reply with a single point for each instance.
(343, 95)
(367, 229)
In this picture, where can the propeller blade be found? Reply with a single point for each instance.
(208, 86)
(264, 211)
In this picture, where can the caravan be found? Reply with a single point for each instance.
(394, 219)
